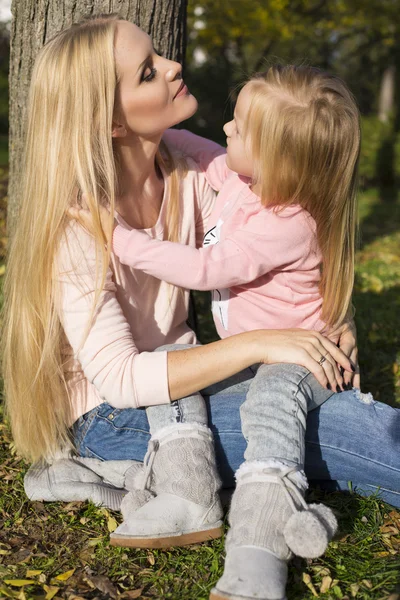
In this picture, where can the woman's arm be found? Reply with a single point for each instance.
(193, 369)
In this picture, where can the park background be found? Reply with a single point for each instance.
(61, 551)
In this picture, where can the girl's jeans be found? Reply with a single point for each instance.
(350, 440)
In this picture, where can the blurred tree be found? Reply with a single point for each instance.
(36, 21)
(230, 39)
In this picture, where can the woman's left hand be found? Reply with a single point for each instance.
(346, 338)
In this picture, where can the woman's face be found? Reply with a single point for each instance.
(151, 95)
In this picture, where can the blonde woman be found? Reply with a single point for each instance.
(80, 327)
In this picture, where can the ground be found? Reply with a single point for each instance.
(61, 550)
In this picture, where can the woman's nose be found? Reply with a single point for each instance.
(174, 70)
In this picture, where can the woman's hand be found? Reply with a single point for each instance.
(309, 349)
(346, 338)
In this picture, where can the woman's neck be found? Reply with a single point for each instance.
(140, 184)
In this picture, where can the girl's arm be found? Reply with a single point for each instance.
(210, 157)
(125, 377)
(263, 244)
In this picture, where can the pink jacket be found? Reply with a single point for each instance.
(262, 265)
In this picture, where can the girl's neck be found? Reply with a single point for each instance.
(140, 183)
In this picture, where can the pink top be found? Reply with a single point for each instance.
(136, 312)
(262, 265)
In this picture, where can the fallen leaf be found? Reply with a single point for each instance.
(51, 590)
(131, 594)
(151, 559)
(95, 541)
(367, 583)
(33, 573)
(326, 584)
(19, 582)
(111, 524)
(65, 576)
(309, 584)
(6, 592)
(102, 583)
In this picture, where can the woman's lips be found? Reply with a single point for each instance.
(182, 91)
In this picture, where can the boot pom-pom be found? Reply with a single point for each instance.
(305, 534)
(134, 500)
(327, 518)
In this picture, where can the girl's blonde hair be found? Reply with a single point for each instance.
(68, 152)
(304, 138)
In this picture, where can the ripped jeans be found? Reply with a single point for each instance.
(350, 439)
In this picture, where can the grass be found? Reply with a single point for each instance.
(61, 550)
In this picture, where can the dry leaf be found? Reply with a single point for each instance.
(51, 591)
(19, 582)
(151, 559)
(367, 583)
(309, 584)
(33, 573)
(326, 584)
(102, 583)
(65, 576)
(111, 524)
(131, 594)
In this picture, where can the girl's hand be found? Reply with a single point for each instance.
(309, 349)
(85, 218)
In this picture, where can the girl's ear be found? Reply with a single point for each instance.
(118, 130)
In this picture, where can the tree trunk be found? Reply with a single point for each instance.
(36, 21)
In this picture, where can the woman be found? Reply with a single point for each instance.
(81, 328)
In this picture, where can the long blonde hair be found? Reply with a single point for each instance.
(68, 151)
(303, 128)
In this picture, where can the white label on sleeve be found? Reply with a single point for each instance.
(220, 298)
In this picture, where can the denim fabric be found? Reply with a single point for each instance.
(275, 411)
(348, 438)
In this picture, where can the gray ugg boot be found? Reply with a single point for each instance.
(177, 500)
(269, 521)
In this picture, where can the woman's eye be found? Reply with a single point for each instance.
(149, 74)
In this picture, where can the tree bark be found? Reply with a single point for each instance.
(34, 22)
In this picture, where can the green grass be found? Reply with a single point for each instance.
(40, 542)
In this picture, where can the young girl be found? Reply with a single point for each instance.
(279, 252)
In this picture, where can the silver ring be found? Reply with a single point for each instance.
(322, 360)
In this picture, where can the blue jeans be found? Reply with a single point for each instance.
(347, 439)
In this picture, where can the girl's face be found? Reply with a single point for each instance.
(151, 94)
(238, 152)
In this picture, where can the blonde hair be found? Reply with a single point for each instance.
(303, 129)
(68, 151)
